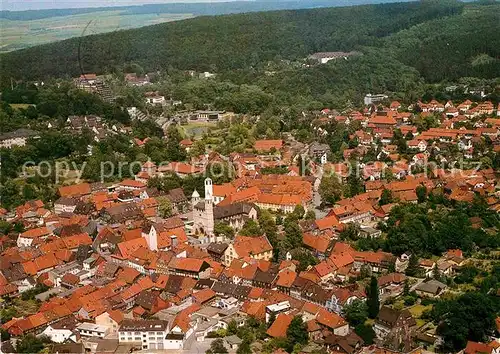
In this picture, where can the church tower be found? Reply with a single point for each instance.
(195, 198)
(209, 207)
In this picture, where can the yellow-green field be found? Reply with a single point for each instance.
(20, 105)
(21, 34)
(196, 129)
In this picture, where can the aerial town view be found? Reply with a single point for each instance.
(307, 177)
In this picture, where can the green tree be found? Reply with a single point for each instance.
(250, 228)
(436, 273)
(4, 334)
(421, 193)
(272, 318)
(305, 258)
(217, 347)
(244, 348)
(297, 331)
(300, 163)
(366, 332)
(406, 289)
(372, 300)
(386, 197)
(220, 172)
(310, 215)
(293, 233)
(471, 316)
(354, 185)
(356, 313)
(31, 344)
(330, 189)
(299, 211)
(268, 226)
(350, 232)
(413, 268)
(224, 229)
(232, 327)
(198, 148)
(164, 207)
(173, 149)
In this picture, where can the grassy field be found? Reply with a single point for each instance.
(20, 105)
(21, 34)
(417, 311)
(196, 130)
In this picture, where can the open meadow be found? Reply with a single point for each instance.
(16, 34)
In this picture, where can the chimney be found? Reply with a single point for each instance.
(173, 241)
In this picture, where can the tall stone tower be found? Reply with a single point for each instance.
(209, 207)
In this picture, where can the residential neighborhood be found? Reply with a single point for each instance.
(345, 248)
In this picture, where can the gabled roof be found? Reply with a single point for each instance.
(286, 278)
(75, 190)
(341, 259)
(266, 145)
(204, 295)
(477, 348)
(188, 264)
(223, 190)
(126, 248)
(246, 246)
(329, 222)
(35, 233)
(75, 241)
(330, 319)
(280, 326)
(317, 243)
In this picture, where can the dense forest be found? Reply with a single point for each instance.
(433, 39)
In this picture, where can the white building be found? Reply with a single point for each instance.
(17, 138)
(277, 308)
(92, 330)
(371, 99)
(325, 57)
(62, 331)
(148, 334)
(156, 100)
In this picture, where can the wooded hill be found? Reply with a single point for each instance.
(440, 39)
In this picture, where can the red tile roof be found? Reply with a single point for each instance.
(266, 145)
(187, 264)
(74, 241)
(75, 190)
(223, 190)
(328, 223)
(330, 319)
(204, 295)
(286, 278)
(318, 243)
(132, 183)
(35, 233)
(247, 246)
(126, 248)
(280, 326)
(477, 348)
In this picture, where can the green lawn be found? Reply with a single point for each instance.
(20, 105)
(195, 129)
(417, 310)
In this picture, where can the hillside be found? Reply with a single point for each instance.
(24, 29)
(224, 43)
(464, 45)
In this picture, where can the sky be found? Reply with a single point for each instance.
(21, 5)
